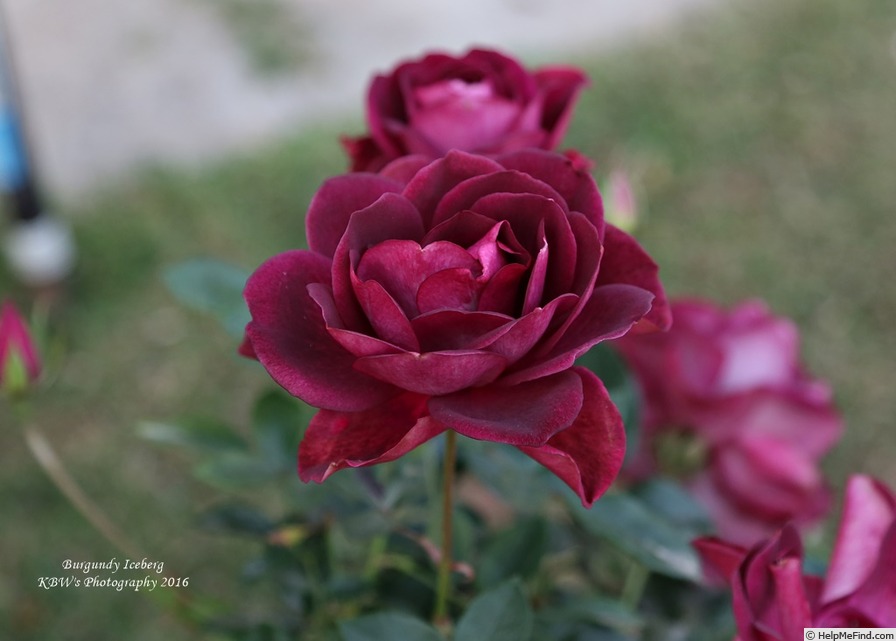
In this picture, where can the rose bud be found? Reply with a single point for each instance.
(482, 102)
(455, 295)
(619, 201)
(19, 360)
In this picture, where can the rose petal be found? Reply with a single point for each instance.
(610, 312)
(784, 414)
(770, 478)
(869, 511)
(449, 289)
(401, 266)
(390, 217)
(576, 187)
(525, 414)
(536, 220)
(501, 293)
(468, 228)
(876, 598)
(434, 373)
(466, 194)
(245, 348)
(16, 341)
(455, 329)
(364, 153)
(387, 320)
(382, 106)
(335, 440)
(589, 255)
(355, 342)
(793, 606)
(720, 559)
(537, 276)
(588, 454)
(463, 115)
(515, 339)
(403, 169)
(624, 261)
(427, 188)
(560, 87)
(760, 350)
(756, 599)
(732, 523)
(335, 202)
(290, 339)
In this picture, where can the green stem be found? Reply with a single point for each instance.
(45, 455)
(635, 583)
(443, 584)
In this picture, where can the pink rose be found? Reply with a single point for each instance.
(455, 295)
(732, 383)
(482, 102)
(19, 359)
(773, 599)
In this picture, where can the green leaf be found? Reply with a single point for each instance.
(597, 610)
(643, 533)
(236, 519)
(516, 550)
(214, 287)
(388, 625)
(669, 499)
(234, 471)
(195, 433)
(502, 614)
(279, 421)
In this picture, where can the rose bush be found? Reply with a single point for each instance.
(455, 295)
(19, 358)
(732, 382)
(482, 102)
(773, 599)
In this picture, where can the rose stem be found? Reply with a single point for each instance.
(444, 577)
(45, 456)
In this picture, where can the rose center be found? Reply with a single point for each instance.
(680, 453)
(444, 275)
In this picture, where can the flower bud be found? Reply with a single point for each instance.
(620, 208)
(19, 359)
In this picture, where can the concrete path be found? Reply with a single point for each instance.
(112, 83)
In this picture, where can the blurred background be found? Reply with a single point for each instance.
(760, 136)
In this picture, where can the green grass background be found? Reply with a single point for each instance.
(763, 141)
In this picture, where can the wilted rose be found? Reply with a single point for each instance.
(482, 102)
(773, 599)
(455, 295)
(731, 382)
(19, 358)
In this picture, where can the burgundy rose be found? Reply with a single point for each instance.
(455, 295)
(19, 358)
(731, 384)
(772, 597)
(482, 102)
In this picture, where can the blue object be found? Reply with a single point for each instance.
(13, 165)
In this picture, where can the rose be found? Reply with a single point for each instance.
(455, 295)
(732, 382)
(773, 599)
(482, 102)
(19, 358)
